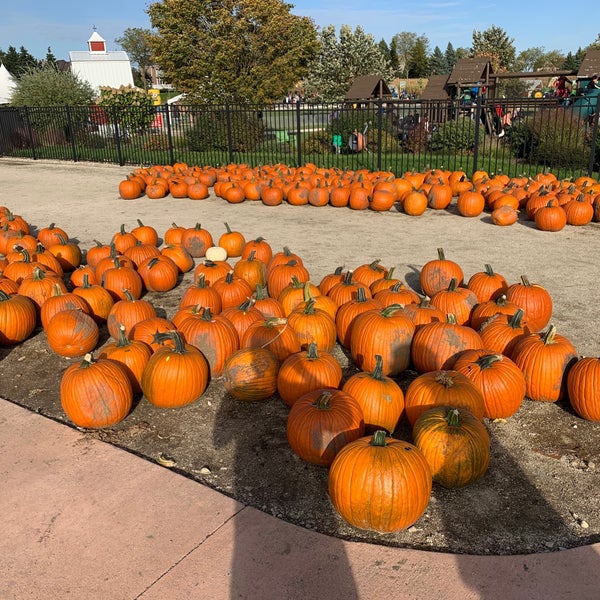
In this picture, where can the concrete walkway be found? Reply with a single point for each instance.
(84, 520)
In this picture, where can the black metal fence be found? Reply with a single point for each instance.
(514, 136)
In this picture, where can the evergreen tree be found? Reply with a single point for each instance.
(50, 60)
(569, 63)
(437, 63)
(450, 56)
(495, 44)
(394, 62)
(418, 63)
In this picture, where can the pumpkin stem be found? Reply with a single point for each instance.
(227, 228)
(379, 438)
(453, 417)
(515, 320)
(453, 284)
(122, 339)
(88, 361)
(378, 370)
(549, 335)
(445, 378)
(323, 402)
(487, 360)
(390, 310)
(441, 255)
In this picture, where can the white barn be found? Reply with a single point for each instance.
(7, 85)
(100, 67)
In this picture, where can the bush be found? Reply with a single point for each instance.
(554, 138)
(457, 135)
(132, 107)
(415, 139)
(210, 131)
(318, 142)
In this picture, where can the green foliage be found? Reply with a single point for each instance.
(251, 51)
(133, 107)
(50, 87)
(555, 138)
(318, 142)
(456, 135)
(418, 64)
(340, 61)
(415, 139)
(347, 121)
(438, 65)
(135, 41)
(495, 44)
(210, 131)
(19, 62)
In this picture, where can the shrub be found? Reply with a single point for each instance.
(210, 130)
(456, 135)
(132, 107)
(318, 142)
(414, 140)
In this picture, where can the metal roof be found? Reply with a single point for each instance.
(368, 87)
(86, 55)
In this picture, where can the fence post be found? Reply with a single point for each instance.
(477, 129)
(169, 133)
(117, 136)
(298, 135)
(379, 131)
(30, 133)
(71, 132)
(229, 132)
(594, 141)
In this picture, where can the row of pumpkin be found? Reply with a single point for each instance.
(480, 346)
(549, 202)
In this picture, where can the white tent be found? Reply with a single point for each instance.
(7, 85)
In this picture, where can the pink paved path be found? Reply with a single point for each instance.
(84, 520)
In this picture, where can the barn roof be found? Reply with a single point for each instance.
(436, 88)
(469, 71)
(368, 87)
(590, 65)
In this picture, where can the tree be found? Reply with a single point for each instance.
(394, 64)
(51, 87)
(495, 44)
(135, 41)
(18, 62)
(50, 59)
(535, 59)
(418, 62)
(437, 63)
(450, 56)
(340, 61)
(404, 43)
(238, 50)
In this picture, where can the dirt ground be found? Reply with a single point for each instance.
(541, 492)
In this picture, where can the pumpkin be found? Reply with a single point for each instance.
(149, 331)
(180, 256)
(243, 315)
(545, 359)
(436, 274)
(347, 312)
(313, 325)
(216, 253)
(487, 309)
(232, 290)
(131, 354)
(501, 382)
(72, 332)
(396, 294)
(95, 393)
(123, 239)
(435, 344)
(459, 301)
(380, 397)
(275, 334)
(262, 250)
(387, 332)
(146, 234)
(321, 423)
(196, 240)
(176, 375)
(583, 386)
(250, 374)
(119, 278)
(455, 444)
(40, 285)
(442, 388)
(214, 335)
(551, 217)
(487, 285)
(200, 293)
(51, 235)
(61, 300)
(128, 312)
(347, 289)
(534, 299)
(141, 252)
(159, 273)
(501, 332)
(252, 270)
(380, 483)
(18, 318)
(307, 370)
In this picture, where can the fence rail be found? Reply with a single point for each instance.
(396, 136)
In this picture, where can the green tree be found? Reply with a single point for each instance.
(535, 59)
(51, 87)
(394, 64)
(404, 42)
(437, 63)
(418, 63)
(497, 46)
(50, 59)
(18, 62)
(450, 56)
(340, 61)
(135, 41)
(239, 50)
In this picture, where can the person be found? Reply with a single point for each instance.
(561, 87)
(592, 83)
(506, 123)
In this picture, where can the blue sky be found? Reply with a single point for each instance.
(66, 25)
